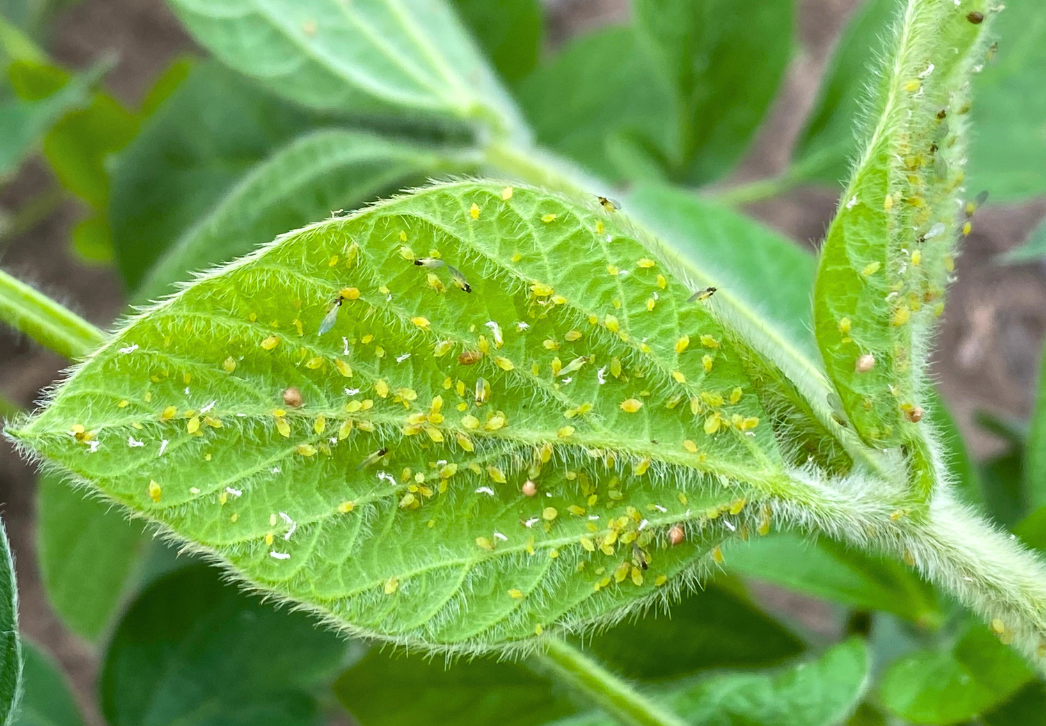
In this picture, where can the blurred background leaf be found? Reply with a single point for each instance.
(511, 34)
(47, 701)
(86, 550)
(194, 650)
(10, 643)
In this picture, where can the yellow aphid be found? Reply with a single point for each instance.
(662, 282)
(888, 202)
(421, 322)
(504, 363)
(844, 326)
(515, 594)
(155, 491)
(735, 395)
(683, 343)
(391, 585)
(271, 342)
(381, 387)
(611, 322)
(912, 85)
(193, 425)
(870, 269)
(717, 555)
(229, 364)
(343, 368)
(353, 406)
(540, 289)
(435, 283)
(474, 211)
(917, 257)
(709, 342)
(678, 377)
(900, 315)
(566, 432)
(549, 513)
(550, 344)
(345, 429)
(305, 450)
(506, 193)
(168, 413)
(283, 427)
(320, 424)
(706, 363)
(967, 227)
(572, 336)
(550, 217)
(690, 446)
(650, 304)
(464, 442)
(641, 466)
(631, 405)
(496, 475)
(314, 363)
(495, 422)
(646, 263)
(712, 424)
(406, 252)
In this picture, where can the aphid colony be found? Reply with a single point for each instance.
(431, 438)
(924, 222)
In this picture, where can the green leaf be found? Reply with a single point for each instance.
(48, 700)
(10, 643)
(887, 255)
(411, 57)
(479, 691)
(24, 121)
(598, 86)
(194, 651)
(303, 182)
(212, 130)
(93, 239)
(511, 34)
(1035, 450)
(15, 45)
(710, 629)
(705, 50)
(830, 571)
(818, 693)
(1004, 490)
(79, 144)
(1027, 708)
(1009, 153)
(951, 686)
(86, 550)
(401, 564)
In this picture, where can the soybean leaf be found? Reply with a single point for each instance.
(305, 181)
(1035, 450)
(10, 643)
(192, 650)
(15, 45)
(24, 120)
(1007, 496)
(411, 57)
(831, 571)
(86, 549)
(48, 701)
(464, 693)
(284, 452)
(510, 34)
(207, 135)
(705, 49)
(818, 693)
(600, 87)
(888, 252)
(1027, 707)
(1009, 152)
(710, 629)
(951, 686)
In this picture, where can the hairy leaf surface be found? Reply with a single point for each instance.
(362, 57)
(888, 253)
(10, 643)
(386, 489)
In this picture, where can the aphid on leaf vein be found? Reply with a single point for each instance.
(611, 205)
(702, 294)
(372, 458)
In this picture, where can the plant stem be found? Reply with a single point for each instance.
(45, 321)
(603, 688)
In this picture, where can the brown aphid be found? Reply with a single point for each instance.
(914, 414)
(976, 17)
(676, 535)
(292, 397)
(530, 488)
(942, 114)
(865, 363)
(469, 357)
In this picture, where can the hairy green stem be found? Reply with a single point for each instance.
(603, 688)
(46, 321)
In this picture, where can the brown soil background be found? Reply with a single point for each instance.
(988, 351)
